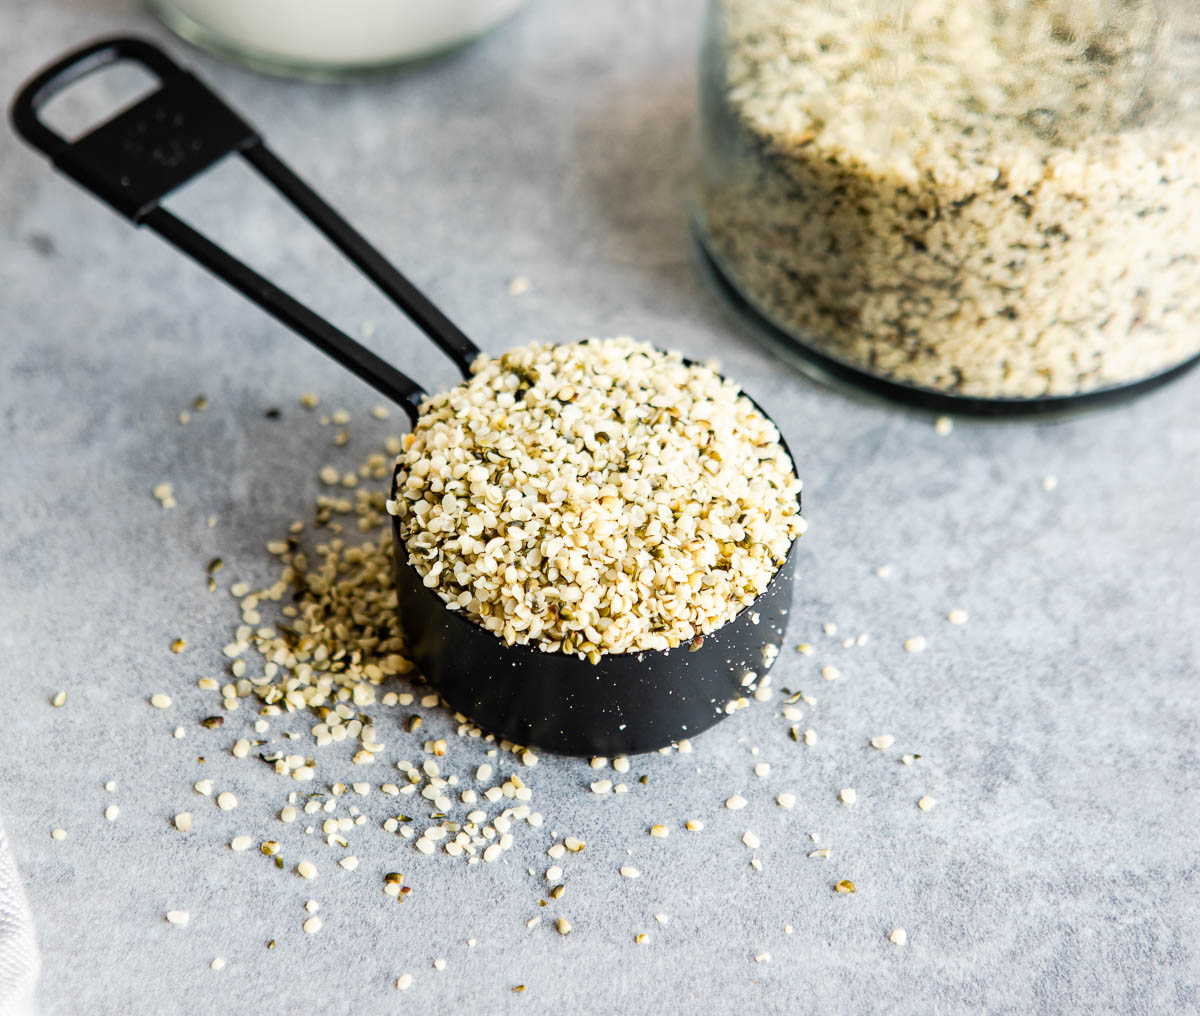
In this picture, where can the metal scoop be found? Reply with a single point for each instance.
(626, 703)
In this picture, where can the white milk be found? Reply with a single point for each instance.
(335, 33)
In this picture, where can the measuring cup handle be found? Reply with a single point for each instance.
(79, 64)
(139, 156)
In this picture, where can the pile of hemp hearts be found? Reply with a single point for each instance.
(596, 497)
(995, 199)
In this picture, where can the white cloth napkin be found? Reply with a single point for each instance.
(19, 962)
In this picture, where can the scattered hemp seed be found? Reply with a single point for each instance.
(312, 925)
(823, 854)
(830, 672)
(58, 834)
(554, 873)
(926, 803)
(518, 988)
(898, 936)
(59, 700)
(958, 616)
(810, 736)
(909, 759)
(621, 764)
(226, 801)
(183, 821)
(179, 733)
(179, 918)
(762, 770)
(786, 800)
(404, 982)
(204, 787)
(829, 629)
(312, 906)
(160, 701)
(600, 786)
(882, 742)
(848, 795)
(884, 571)
(662, 918)
(111, 812)
(845, 886)
(563, 926)
(348, 863)
(629, 871)
(518, 285)
(240, 843)
(915, 644)
(805, 649)
(599, 762)
(1049, 482)
(762, 957)
(164, 493)
(218, 963)
(556, 892)
(641, 938)
(660, 831)
(306, 869)
(943, 425)
(693, 825)
(178, 646)
(310, 400)
(439, 964)
(736, 803)
(751, 840)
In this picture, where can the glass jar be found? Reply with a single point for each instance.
(985, 202)
(330, 38)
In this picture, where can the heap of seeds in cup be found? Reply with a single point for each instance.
(994, 199)
(596, 497)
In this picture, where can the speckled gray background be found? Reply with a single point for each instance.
(1058, 872)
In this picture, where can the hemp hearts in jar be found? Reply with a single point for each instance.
(997, 199)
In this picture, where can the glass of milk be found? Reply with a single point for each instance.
(329, 38)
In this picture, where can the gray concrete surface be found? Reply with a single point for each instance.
(1058, 727)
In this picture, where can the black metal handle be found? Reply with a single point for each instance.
(75, 65)
(139, 156)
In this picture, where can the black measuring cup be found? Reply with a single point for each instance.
(626, 703)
